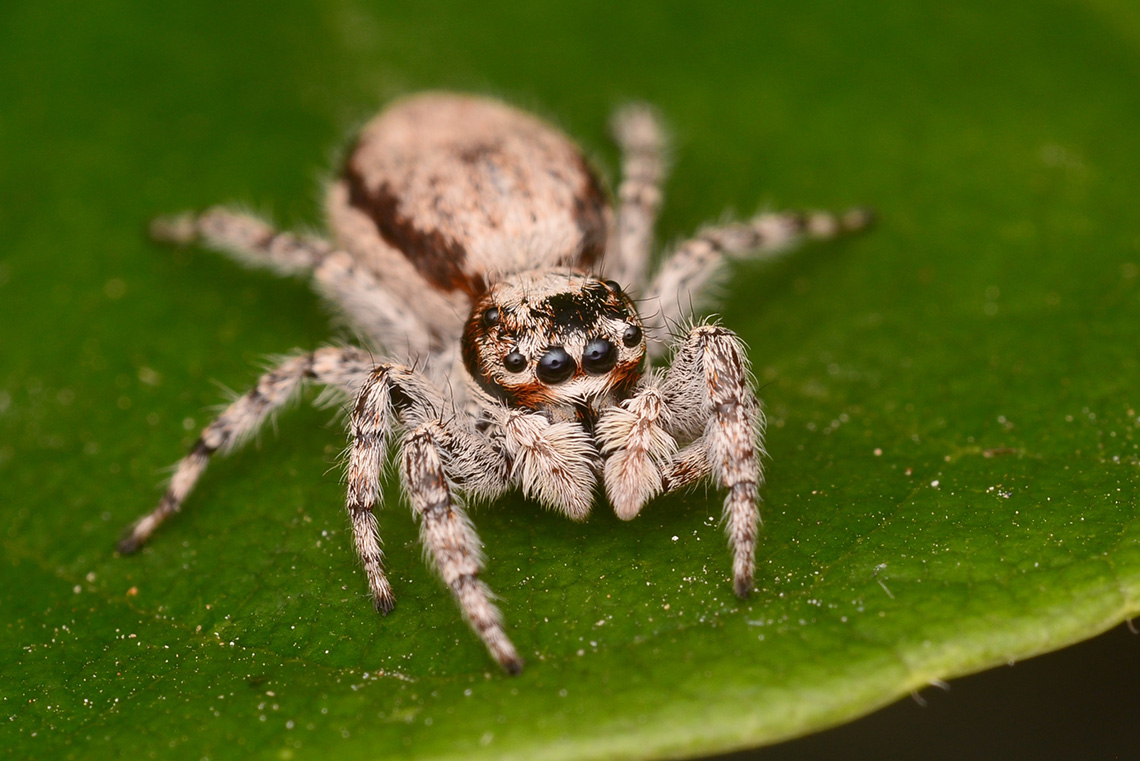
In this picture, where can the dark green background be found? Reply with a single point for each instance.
(952, 398)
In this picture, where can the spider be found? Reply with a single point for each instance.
(478, 253)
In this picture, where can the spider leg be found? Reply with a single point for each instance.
(435, 454)
(705, 397)
(369, 307)
(695, 264)
(246, 237)
(640, 137)
(343, 369)
(710, 379)
(451, 541)
(686, 467)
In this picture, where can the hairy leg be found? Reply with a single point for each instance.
(640, 137)
(343, 369)
(682, 279)
(366, 304)
(705, 397)
(451, 541)
(441, 449)
(369, 308)
(391, 394)
(246, 237)
(710, 393)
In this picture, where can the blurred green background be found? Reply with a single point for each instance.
(952, 398)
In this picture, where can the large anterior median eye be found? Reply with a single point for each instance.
(600, 357)
(555, 365)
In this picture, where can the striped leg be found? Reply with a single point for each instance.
(639, 135)
(677, 287)
(369, 308)
(705, 397)
(709, 392)
(344, 369)
(451, 541)
(396, 395)
(247, 238)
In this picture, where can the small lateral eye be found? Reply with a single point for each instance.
(491, 317)
(555, 365)
(632, 336)
(514, 362)
(613, 286)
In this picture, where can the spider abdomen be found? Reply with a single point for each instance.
(467, 190)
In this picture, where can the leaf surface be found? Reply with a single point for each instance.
(952, 397)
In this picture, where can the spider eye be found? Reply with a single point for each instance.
(491, 317)
(613, 286)
(600, 357)
(632, 336)
(514, 362)
(555, 365)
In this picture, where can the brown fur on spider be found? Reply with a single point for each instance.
(475, 250)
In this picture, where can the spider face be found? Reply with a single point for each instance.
(555, 339)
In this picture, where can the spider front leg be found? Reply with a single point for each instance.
(452, 542)
(435, 454)
(705, 397)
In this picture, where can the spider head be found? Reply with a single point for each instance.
(554, 338)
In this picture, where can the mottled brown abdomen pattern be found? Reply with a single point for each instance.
(470, 190)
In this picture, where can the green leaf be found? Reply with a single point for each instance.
(952, 398)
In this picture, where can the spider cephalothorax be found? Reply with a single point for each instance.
(555, 339)
(477, 256)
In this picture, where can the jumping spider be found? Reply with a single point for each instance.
(477, 251)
